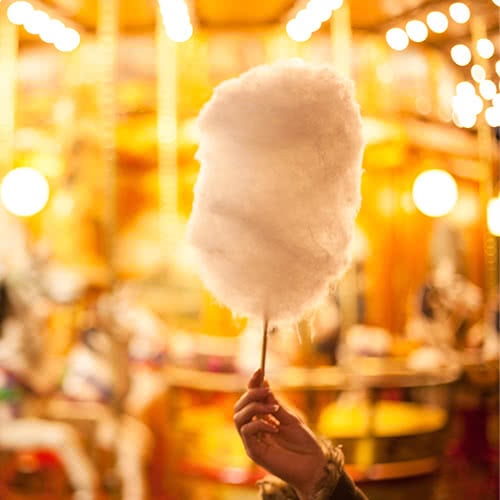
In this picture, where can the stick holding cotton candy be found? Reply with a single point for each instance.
(278, 190)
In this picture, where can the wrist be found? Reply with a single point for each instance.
(308, 490)
(329, 470)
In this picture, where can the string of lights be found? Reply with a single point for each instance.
(38, 22)
(466, 103)
(310, 19)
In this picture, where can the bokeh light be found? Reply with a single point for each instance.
(465, 88)
(176, 20)
(397, 39)
(487, 89)
(297, 32)
(67, 40)
(417, 31)
(465, 120)
(24, 191)
(52, 31)
(492, 116)
(461, 54)
(485, 48)
(467, 104)
(459, 12)
(437, 22)
(179, 32)
(435, 193)
(36, 22)
(493, 216)
(19, 12)
(307, 19)
(478, 73)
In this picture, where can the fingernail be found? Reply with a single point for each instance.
(275, 408)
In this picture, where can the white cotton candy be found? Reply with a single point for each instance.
(279, 188)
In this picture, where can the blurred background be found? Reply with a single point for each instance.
(118, 371)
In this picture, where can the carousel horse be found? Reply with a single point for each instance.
(23, 381)
(96, 382)
(447, 305)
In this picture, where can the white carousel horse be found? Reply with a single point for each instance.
(21, 379)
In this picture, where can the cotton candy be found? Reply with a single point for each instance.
(278, 190)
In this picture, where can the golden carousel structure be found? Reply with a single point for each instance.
(98, 133)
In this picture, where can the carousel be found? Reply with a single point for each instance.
(119, 368)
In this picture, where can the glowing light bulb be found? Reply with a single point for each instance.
(496, 2)
(397, 39)
(461, 55)
(493, 216)
(496, 101)
(335, 4)
(297, 32)
(307, 19)
(497, 68)
(465, 88)
(485, 48)
(467, 105)
(319, 9)
(19, 12)
(324, 15)
(322, 9)
(465, 120)
(36, 22)
(492, 116)
(435, 193)
(176, 20)
(487, 89)
(459, 12)
(52, 31)
(68, 40)
(179, 32)
(417, 31)
(24, 191)
(437, 22)
(478, 73)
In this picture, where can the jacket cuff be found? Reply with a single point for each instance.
(272, 488)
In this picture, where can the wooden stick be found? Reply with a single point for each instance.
(264, 350)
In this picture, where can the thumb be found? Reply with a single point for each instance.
(256, 380)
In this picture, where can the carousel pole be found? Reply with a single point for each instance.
(8, 71)
(487, 183)
(166, 64)
(341, 39)
(341, 45)
(107, 37)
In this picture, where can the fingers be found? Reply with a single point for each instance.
(256, 379)
(254, 409)
(258, 395)
(284, 415)
(257, 426)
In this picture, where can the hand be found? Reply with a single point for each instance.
(278, 440)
